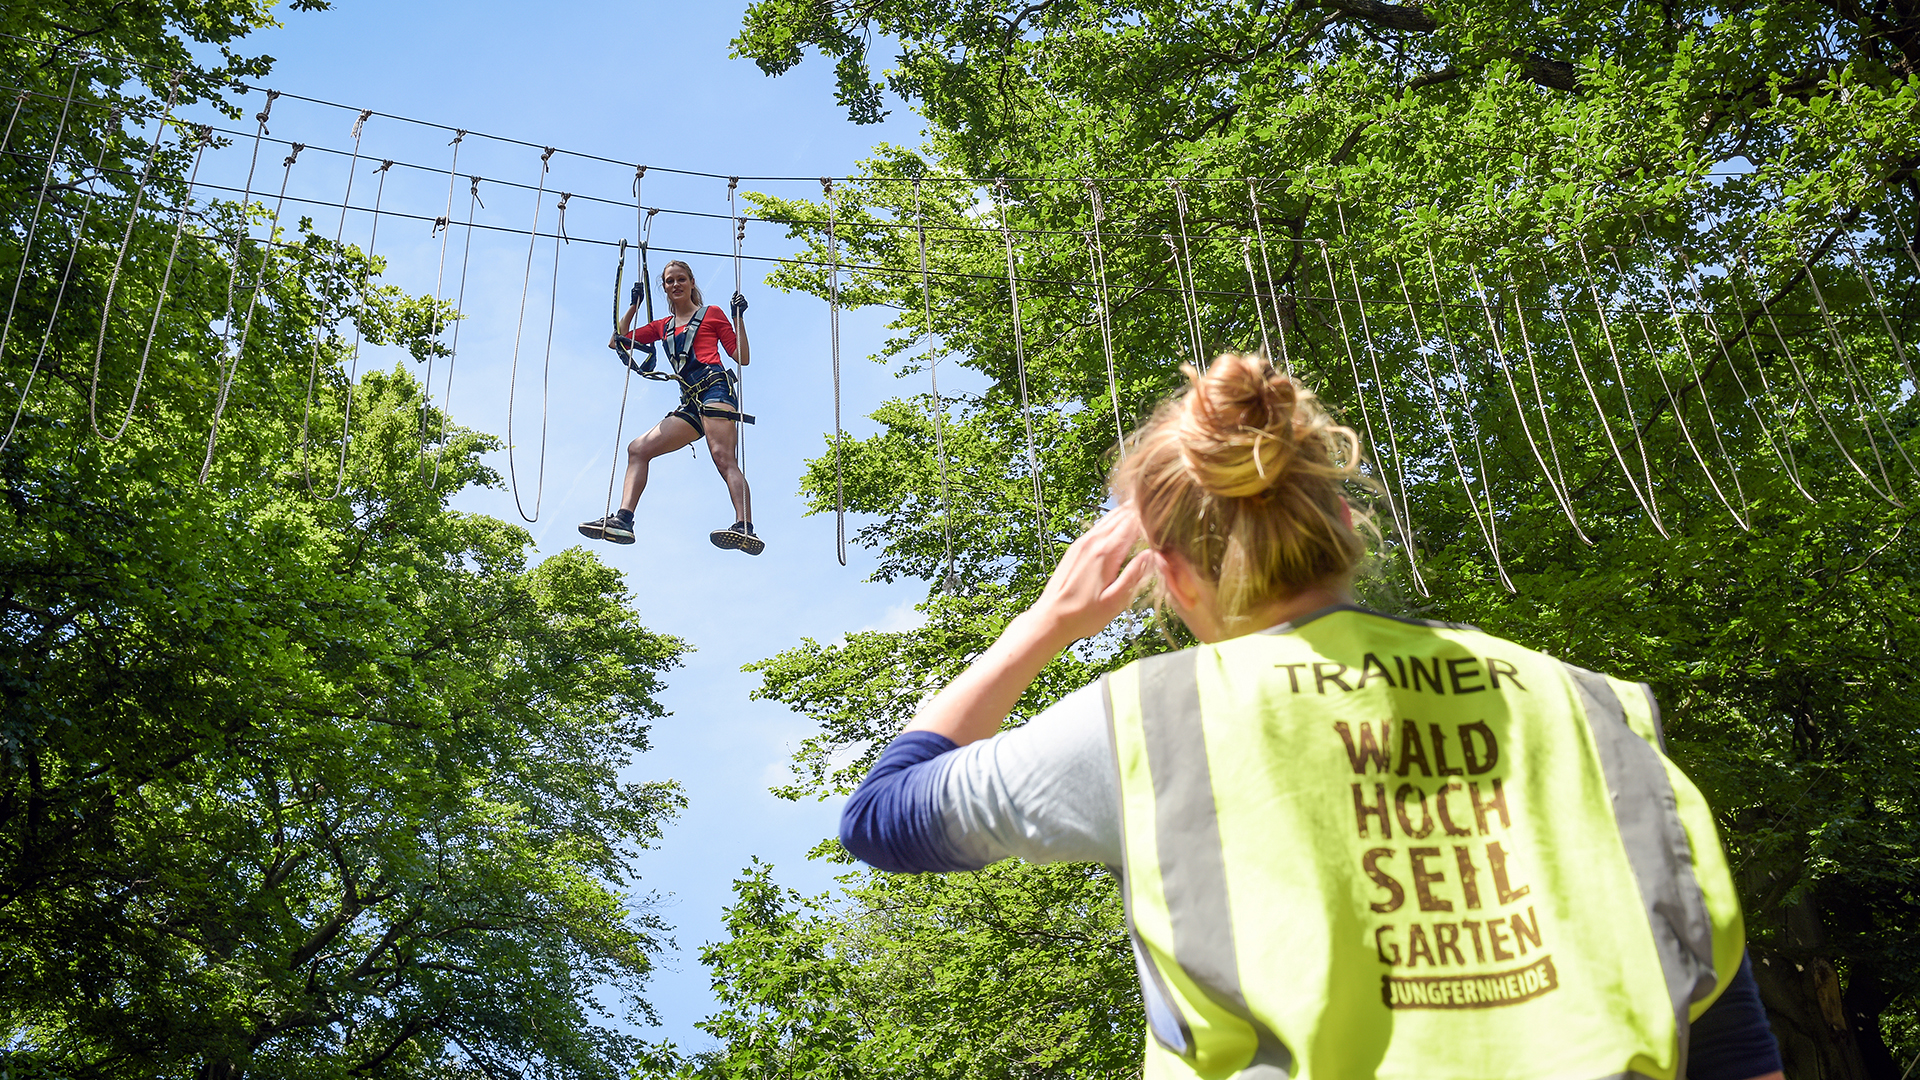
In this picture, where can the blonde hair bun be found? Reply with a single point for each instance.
(1237, 427)
(1243, 476)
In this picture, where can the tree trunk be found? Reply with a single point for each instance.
(1820, 1037)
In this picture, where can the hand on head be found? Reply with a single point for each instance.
(1097, 579)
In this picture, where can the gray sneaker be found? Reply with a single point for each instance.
(738, 536)
(608, 528)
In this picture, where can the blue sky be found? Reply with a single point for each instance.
(645, 83)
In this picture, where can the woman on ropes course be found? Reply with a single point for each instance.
(1351, 844)
(693, 335)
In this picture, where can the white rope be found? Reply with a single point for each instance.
(239, 348)
(1098, 253)
(119, 259)
(1190, 296)
(1488, 525)
(739, 222)
(60, 296)
(1599, 411)
(939, 407)
(353, 373)
(1850, 375)
(444, 226)
(513, 373)
(1626, 391)
(160, 302)
(453, 348)
(1783, 449)
(1807, 396)
(1020, 371)
(1740, 517)
(1273, 297)
(833, 333)
(313, 367)
(1402, 517)
(26, 249)
(1558, 485)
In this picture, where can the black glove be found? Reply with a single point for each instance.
(637, 293)
(738, 306)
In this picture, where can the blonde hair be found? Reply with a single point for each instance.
(1242, 476)
(698, 302)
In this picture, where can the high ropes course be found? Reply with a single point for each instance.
(1433, 341)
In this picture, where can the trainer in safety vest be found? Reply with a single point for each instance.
(1361, 846)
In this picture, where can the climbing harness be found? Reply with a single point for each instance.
(1097, 253)
(513, 374)
(933, 372)
(126, 238)
(1001, 195)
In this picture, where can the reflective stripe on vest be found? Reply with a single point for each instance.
(1518, 884)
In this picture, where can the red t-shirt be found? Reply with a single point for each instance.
(715, 332)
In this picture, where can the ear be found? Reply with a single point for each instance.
(1182, 584)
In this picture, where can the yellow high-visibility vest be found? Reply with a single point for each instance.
(1363, 846)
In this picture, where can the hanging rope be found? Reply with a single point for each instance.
(233, 275)
(1593, 395)
(1273, 297)
(1189, 297)
(1490, 526)
(1001, 195)
(1851, 375)
(443, 226)
(19, 101)
(119, 259)
(939, 407)
(546, 363)
(1556, 477)
(513, 374)
(640, 223)
(33, 229)
(1873, 294)
(626, 380)
(353, 372)
(739, 369)
(833, 333)
(1786, 459)
(313, 367)
(1403, 513)
(1741, 517)
(60, 296)
(453, 349)
(1259, 313)
(1626, 391)
(160, 302)
(1807, 396)
(1097, 252)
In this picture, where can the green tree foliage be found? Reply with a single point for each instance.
(1007, 973)
(302, 773)
(1621, 298)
